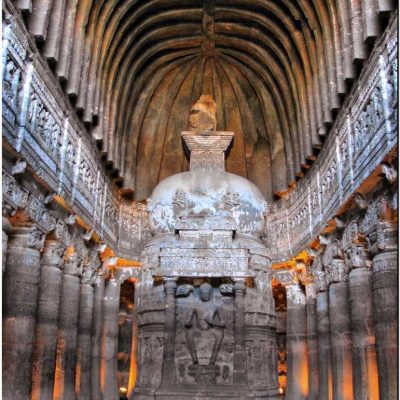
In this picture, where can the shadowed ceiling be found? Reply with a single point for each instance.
(277, 70)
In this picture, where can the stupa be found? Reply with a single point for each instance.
(206, 314)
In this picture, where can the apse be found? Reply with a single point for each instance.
(278, 70)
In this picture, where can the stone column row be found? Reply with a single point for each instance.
(50, 317)
(342, 320)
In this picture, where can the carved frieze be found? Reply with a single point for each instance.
(203, 262)
(181, 200)
(231, 200)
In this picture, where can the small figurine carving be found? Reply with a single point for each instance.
(208, 317)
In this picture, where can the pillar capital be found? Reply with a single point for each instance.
(384, 238)
(73, 264)
(7, 211)
(321, 281)
(239, 284)
(350, 234)
(337, 271)
(295, 294)
(170, 284)
(53, 253)
(359, 256)
(61, 232)
(90, 267)
(27, 235)
(333, 251)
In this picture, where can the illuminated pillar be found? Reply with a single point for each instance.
(385, 299)
(110, 339)
(133, 363)
(83, 384)
(296, 343)
(65, 377)
(20, 295)
(323, 327)
(44, 355)
(312, 343)
(6, 229)
(365, 373)
(96, 336)
(340, 331)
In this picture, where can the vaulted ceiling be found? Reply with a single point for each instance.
(278, 71)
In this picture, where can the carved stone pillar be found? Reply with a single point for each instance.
(365, 374)
(65, 377)
(168, 374)
(96, 336)
(47, 320)
(384, 284)
(133, 357)
(239, 362)
(323, 328)
(296, 343)
(110, 339)
(20, 297)
(340, 331)
(6, 229)
(312, 342)
(86, 302)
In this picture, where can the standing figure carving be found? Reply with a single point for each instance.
(208, 317)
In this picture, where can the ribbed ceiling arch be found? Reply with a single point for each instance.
(278, 71)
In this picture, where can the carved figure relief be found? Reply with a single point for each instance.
(204, 337)
(204, 316)
(11, 81)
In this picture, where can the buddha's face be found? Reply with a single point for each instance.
(205, 291)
